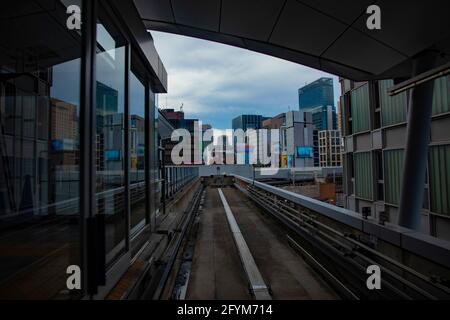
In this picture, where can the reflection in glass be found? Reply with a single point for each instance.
(137, 151)
(110, 95)
(39, 152)
(155, 174)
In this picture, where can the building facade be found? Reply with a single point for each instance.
(330, 148)
(178, 121)
(78, 162)
(248, 121)
(374, 126)
(317, 93)
(298, 140)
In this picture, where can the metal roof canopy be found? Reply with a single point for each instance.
(328, 35)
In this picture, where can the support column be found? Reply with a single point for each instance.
(417, 141)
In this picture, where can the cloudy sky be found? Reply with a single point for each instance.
(216, 82)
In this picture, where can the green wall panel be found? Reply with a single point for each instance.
(393, 109)
(441, 96)
(439, 167)
(363, 163)
(360, 105)
(393, 172)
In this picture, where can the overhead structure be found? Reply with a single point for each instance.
(328, 35)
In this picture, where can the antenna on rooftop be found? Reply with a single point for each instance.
(181, 107)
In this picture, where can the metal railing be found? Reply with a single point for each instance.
(413, 265)
(176, 177)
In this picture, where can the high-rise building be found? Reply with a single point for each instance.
(339, 116)
(279, 123)
(317, 97)
(330, 148)
(107, 99)
(374, 131)
(248, 121)
(299, 139)
(178, 121)
(64, 133)
(323, 118)
(317, 93)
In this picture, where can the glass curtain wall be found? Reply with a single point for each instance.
(111, 66)
(155, 175)
(39, 149)
(42, 229)
(137, 152)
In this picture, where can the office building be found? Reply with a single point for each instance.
(339, 116)
(317, 93)
(178, 121)
(248, 121)
(317, 97)
(330, 148)
(374, 132)
(324, 117)
(298, 139)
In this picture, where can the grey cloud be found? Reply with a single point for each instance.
(217, 82)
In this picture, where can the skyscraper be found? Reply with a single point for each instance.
(248, 121)
(317, 93)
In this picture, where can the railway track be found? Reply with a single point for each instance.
(244, 242)
(234, 251)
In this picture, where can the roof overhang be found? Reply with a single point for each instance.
(143, 43)
(328, 35)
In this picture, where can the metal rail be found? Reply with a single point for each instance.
(351, 251)
(155, 292)
(257, 285)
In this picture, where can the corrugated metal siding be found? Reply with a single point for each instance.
(363, 162)
(440, 179)
(342, 115)
(360, 109)
(441, 96)
(393, 172)
(393, 109)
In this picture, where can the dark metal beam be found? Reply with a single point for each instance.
(87, 145)
(421, 78)
(417, 140)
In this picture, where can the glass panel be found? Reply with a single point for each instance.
(393, 164)
(364, 175)
(393, 109)
(110, 97)
(440, 179)
(137, 150)
(39, 150)
(360, 109)
(441, 95)
(155, 174)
